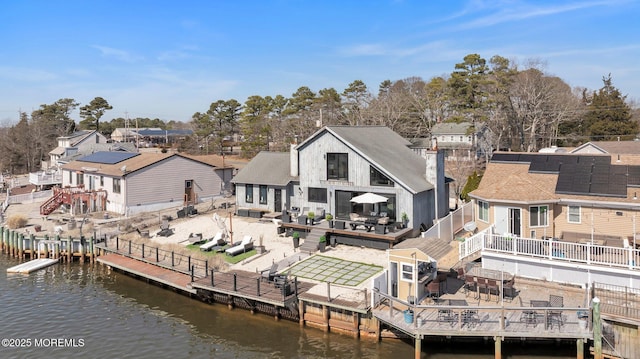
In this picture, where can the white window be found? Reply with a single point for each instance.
(538, 216)
(407, 272)
(483, 211)
(573, 214)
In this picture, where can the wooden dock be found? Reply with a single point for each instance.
(32, 266)
(150, 272)
(251, 287)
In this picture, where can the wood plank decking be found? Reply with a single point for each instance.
(152, 272)
(251, 286)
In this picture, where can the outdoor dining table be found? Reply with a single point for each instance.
(480, 274)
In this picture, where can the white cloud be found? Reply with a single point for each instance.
(121, 55)
(26, 74)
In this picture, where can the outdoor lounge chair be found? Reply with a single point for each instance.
(215, 244)
(269, 274)
(244, 246)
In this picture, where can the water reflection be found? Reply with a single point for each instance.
(118, 316)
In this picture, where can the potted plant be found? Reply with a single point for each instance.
(296, 239)
(405, 219)
(322, 244)
(329, 218)
(310, 217)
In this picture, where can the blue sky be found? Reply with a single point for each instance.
(170, 59)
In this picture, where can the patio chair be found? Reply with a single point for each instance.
(470, 284)
(269, 274)
(244, 246)
(215, 244)
(492, 288)
(509, 291)
(554, 317)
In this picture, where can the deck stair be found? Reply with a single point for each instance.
(52, 204)
(310, 244)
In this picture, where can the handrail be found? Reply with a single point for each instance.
(178, 262)
(587, 253)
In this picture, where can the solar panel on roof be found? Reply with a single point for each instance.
(108, 157)
(633, 178)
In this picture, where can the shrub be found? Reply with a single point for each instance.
(311, 215)
(323, 239)
(328, 217)
(16, 221)
(296, 235)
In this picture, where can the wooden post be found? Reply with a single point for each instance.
(301, 310)
(45, 251)
(69, 249)
(1, 239)
(325, 317)
(32, 243)
(597, 329)
(579, 349)
(211, 276)
(92, 248)
(58, 245)
(258, 286)
(498, 347)
(13, 244)
(20, 245)
(418, 347)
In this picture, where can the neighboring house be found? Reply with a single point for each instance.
(142, 182)
(148, 136)
(578, 198)
(621, 152)
(338, 163)
(456, 139)
(76, 142)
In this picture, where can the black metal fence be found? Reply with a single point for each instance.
(197, 268)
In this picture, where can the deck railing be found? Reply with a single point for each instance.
(469, 320)
(198, 268)
(586, 253)
(448, 226)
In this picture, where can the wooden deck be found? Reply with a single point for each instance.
(168, 277)
(251, 286)
(389, 238)
(476, 318)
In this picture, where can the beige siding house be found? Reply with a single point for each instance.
(578, 198)
(142, 182)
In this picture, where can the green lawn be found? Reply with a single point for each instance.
(228, 259)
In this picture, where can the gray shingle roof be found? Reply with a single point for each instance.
(268, 168)
(386, 150)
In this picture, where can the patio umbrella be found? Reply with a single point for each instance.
(370, 198)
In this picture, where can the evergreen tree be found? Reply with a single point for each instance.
(608, 117)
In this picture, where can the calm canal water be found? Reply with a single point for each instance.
(73, 310)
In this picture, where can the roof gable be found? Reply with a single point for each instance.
(385, 150)
(266, 168)
(128, 166)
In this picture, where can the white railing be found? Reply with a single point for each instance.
(628, 258)
(29, 197)
(448, 226)
(473, 244)
(44, 178)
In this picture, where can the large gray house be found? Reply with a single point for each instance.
(337, 163)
